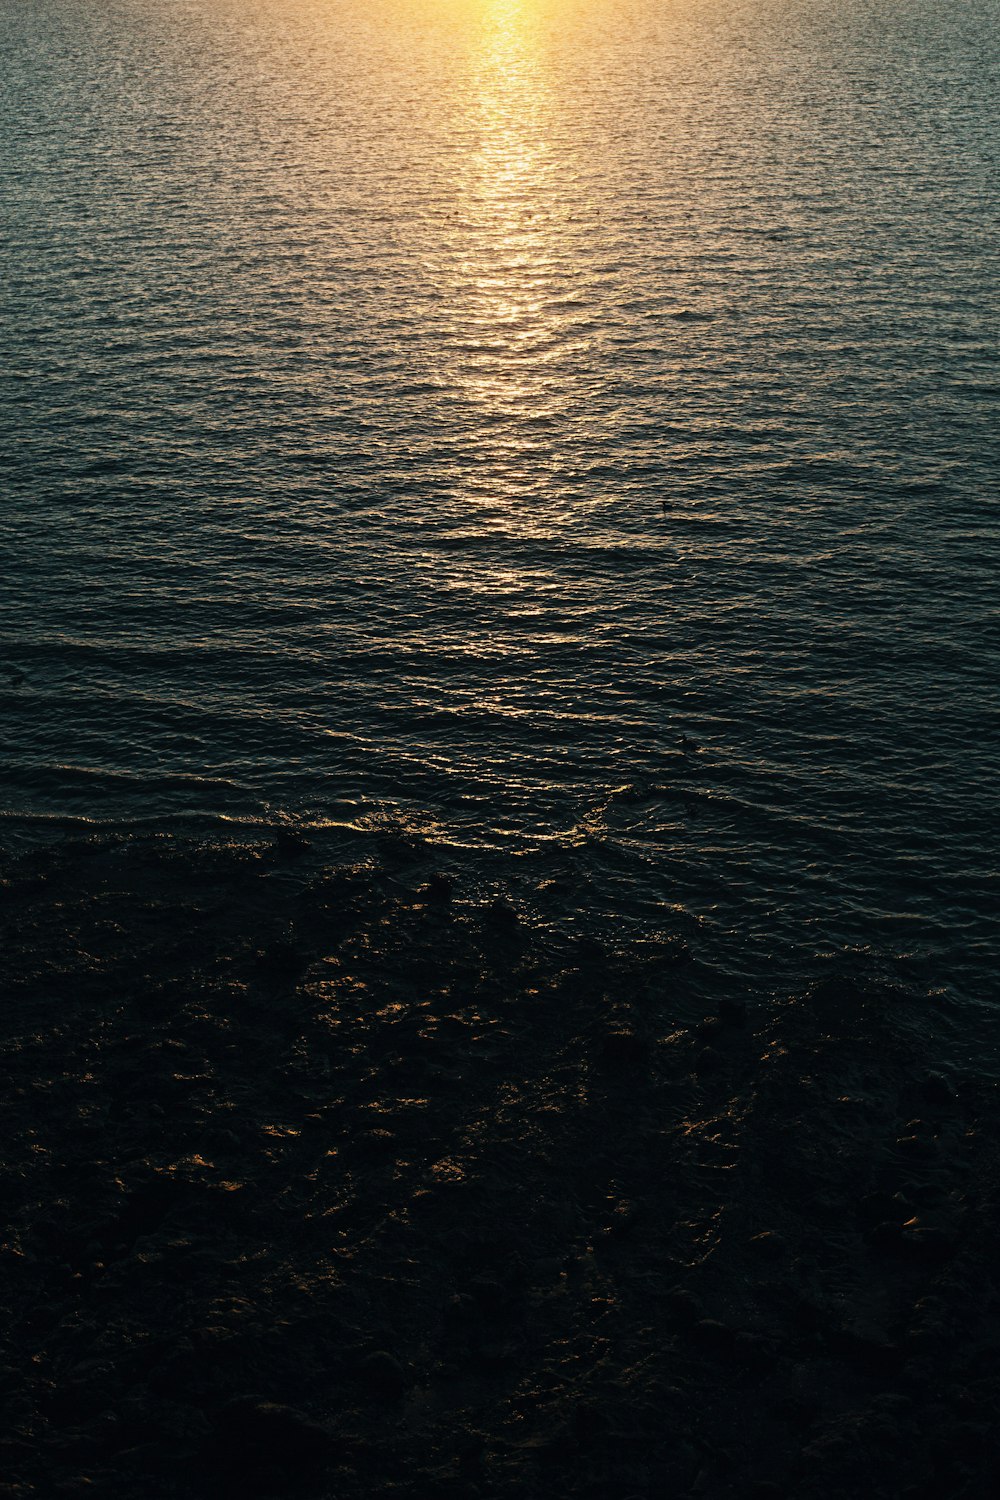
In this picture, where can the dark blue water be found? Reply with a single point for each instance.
(421, 419)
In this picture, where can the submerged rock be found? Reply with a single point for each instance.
(501, 914)
(438, 888)
(290, 843)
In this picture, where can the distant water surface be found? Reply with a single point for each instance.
(427, 415)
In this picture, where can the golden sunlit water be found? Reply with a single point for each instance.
(556, 430)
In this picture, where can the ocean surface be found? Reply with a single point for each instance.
(561, 438)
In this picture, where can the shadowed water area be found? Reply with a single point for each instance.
(559, 434)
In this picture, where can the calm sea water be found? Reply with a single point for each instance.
(426, 415)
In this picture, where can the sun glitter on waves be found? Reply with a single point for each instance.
(510, 261)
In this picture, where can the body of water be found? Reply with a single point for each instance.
(564, 433)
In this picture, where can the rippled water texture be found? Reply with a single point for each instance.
(427, 415)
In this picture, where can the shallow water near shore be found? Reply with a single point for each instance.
(556, 437)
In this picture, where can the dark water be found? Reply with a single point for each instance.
(423, 416)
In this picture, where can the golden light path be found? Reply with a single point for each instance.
(516, 331)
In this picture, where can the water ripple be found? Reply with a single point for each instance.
(548, 430)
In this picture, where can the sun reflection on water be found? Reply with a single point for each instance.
(517, 330)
